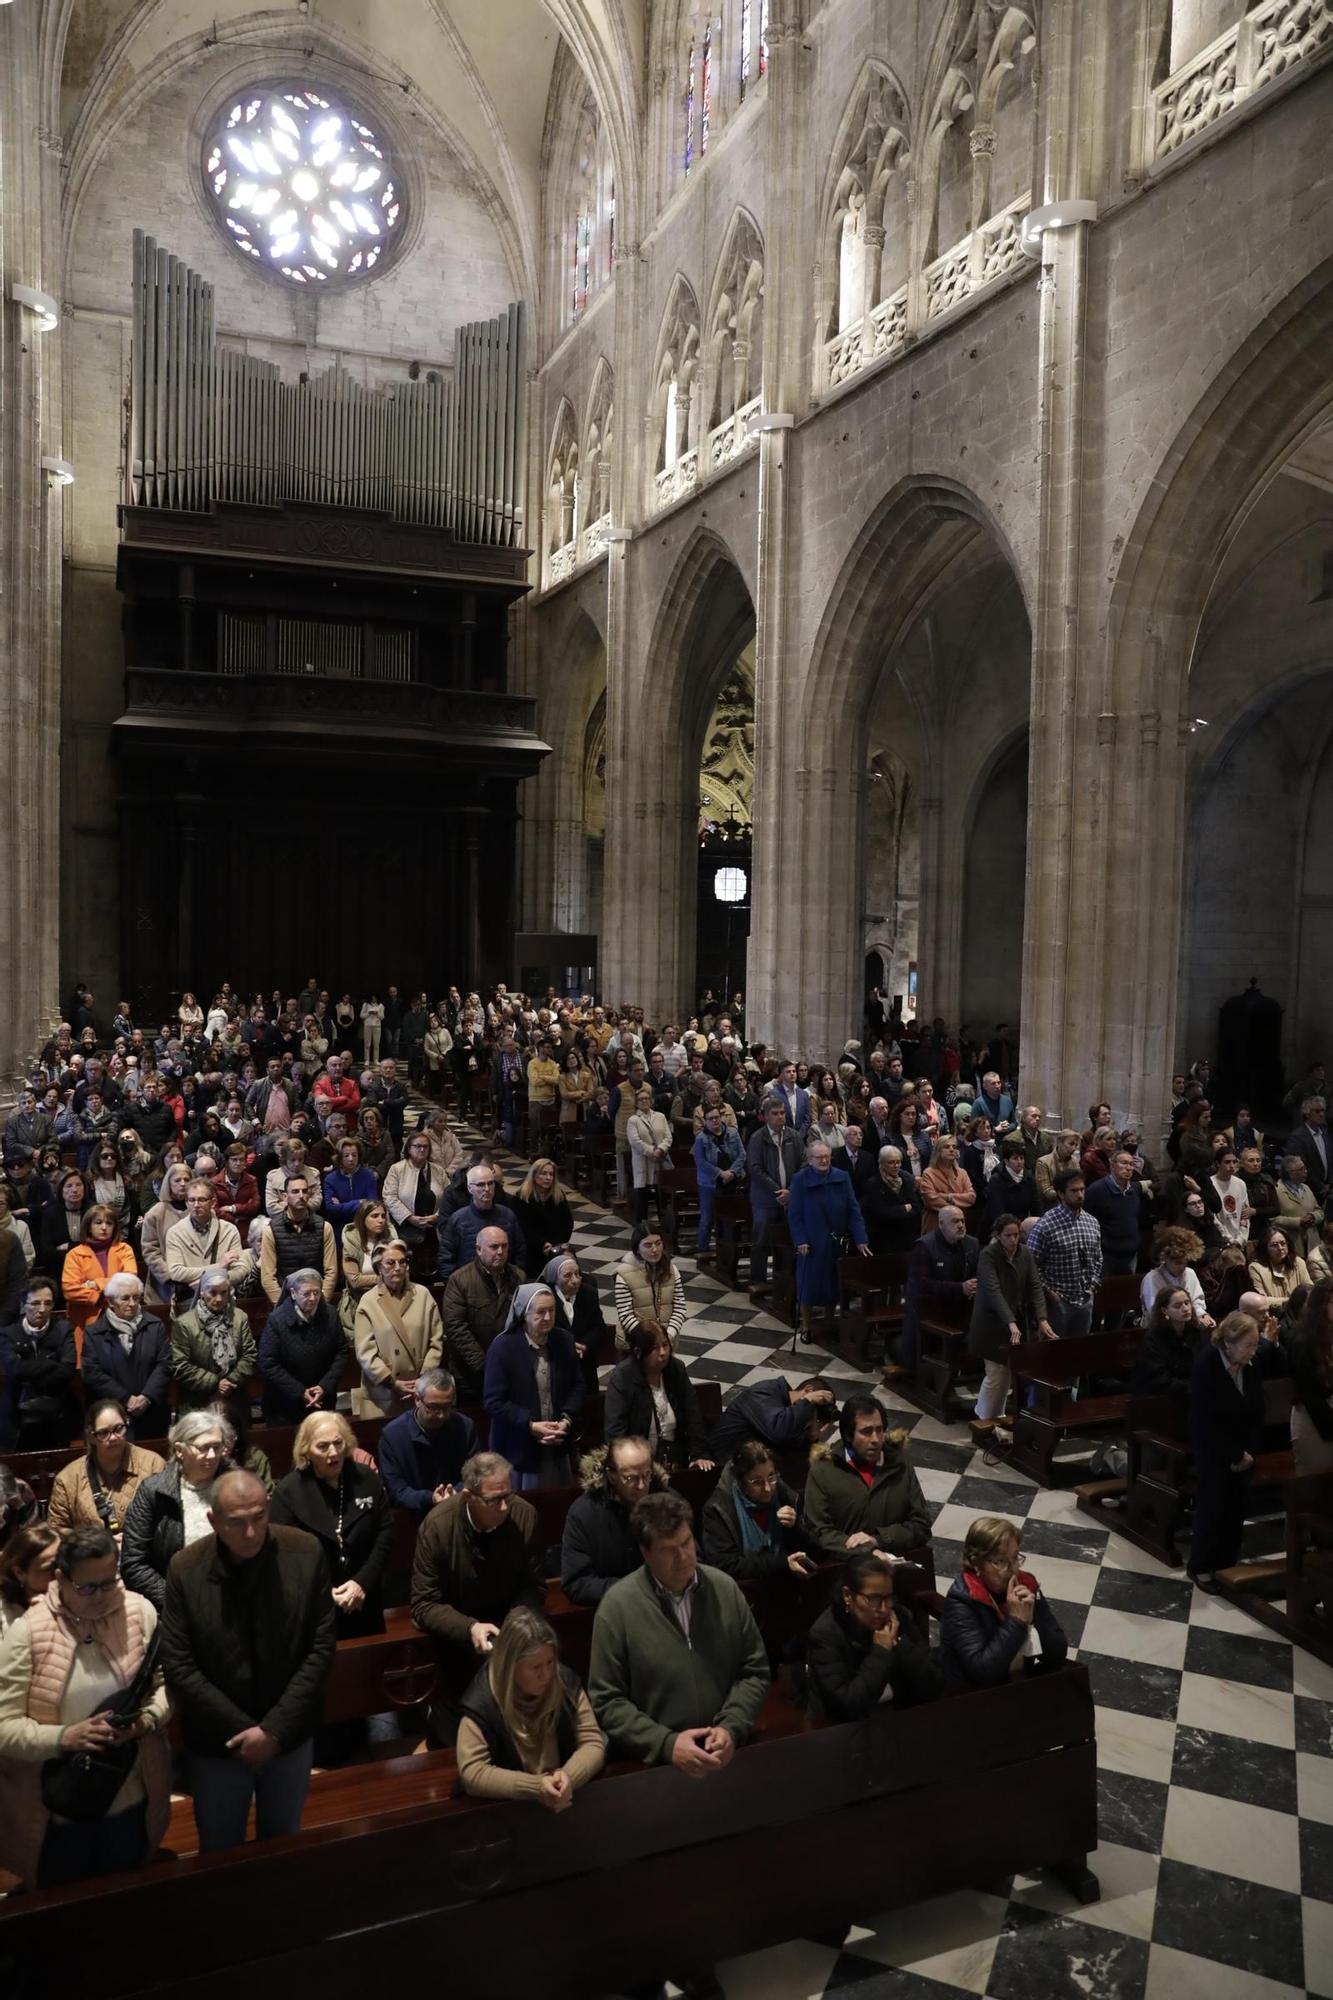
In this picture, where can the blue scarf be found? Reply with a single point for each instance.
(752, 1535)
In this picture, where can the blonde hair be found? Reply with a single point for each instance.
(1233, 1328)
(529, 1723)
(305, 1436)
(528, 1191)
(988, 1534)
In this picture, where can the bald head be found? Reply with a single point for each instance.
(239, 1515)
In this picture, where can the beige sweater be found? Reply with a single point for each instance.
(485, 1780)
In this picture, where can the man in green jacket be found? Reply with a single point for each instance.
(679, 1672)
(862, 1491)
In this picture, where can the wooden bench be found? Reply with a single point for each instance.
(1293, 1595)
(942, 1361)
(1051, 1371)
(1159, 1486)
(394, 1878)
(870, 1301)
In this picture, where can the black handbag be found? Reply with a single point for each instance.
(82, 1786)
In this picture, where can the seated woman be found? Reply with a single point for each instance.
(752, 1523)
(1177, 1250)
(1165, 1360)
(342, 1503)
(528, 1731)
(90, 1636)
(27, 1565)
(995, 1620)
(862, 1653)
(1276, 1271)
(578, 1310)
(302, 1351)
(649, 1395)
(170, 1510)
(96, 1490)
(649, 1288)
(544, 1215)
(213, 1353)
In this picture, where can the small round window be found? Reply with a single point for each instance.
(302, 184)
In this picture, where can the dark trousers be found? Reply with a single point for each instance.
(760, 1241)
(72, 1851)
(1070, 1322)
(1219, 1517)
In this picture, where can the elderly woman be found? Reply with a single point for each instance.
(170, 1510)
(534, 1390)
(397, 1334)
(648, 1136)
(995, 1621)
(302, 1351)
(1226, 1430)
(527, 1732)
(342, 1503)
(213, 1354)
(378, 1151)
(78, 1674)
(27, 1565)
(578, 1311)
(98, 1488)
(544, 1214)
(413, 1190)
(649, 1288)
(1009, 1307)
(1177, 1250)
(823, 1211)
(161, 1217)
(650, 1395)
(126, 1355)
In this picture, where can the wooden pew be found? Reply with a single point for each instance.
(1052, 1371)
(806, 1828)
(1160, 1485)
(870, 1300)
(942, 1362)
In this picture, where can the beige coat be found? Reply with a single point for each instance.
(189, 1255)
(394, 1347)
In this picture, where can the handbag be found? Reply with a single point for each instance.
(83, 1786)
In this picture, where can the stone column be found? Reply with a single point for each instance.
(30, 552)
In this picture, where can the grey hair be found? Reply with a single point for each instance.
(435, 1378)
(307, 1275)
(1291, 1160)
(473, 1171)
(814, 1145)
(214, 1274)
(481, 1466)
(1315, 1103)
(196, 1424)
(116, 1284)
(890, 1153)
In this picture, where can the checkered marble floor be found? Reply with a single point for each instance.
(1214, 1741)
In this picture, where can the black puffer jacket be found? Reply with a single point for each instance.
(155, 1532)
(599, 1546)
(295, 1354)
(847, 1672)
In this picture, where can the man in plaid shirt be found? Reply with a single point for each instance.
(1067, 1244)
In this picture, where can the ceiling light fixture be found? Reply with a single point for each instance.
(1055, 215)
(40, 304)
(60, 470)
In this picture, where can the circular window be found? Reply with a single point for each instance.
(302, 184)
(729, 885)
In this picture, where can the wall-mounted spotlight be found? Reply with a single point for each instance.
(44, 308)
(1055, 215)
(769, 420)
(59, 470)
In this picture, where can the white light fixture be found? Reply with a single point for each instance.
(1055, 215)
(45, 308)
(620, 534)
(60, 470)
(729, 885)
(769, 420)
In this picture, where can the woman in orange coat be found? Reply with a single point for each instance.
(88, 1264)
(944, 1184)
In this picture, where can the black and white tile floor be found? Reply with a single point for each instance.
(1214, 1740)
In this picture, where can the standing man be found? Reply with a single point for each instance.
(247, 1642)
(995, 1103)
(942, 1275)
(1309, 1142)
(1116, 1205)
(1067, 1244)
(719, 1162)
(458, 1231)
(774, 1157)
(796, 1100)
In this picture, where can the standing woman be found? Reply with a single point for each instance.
(342, 1503)
(649, 1288)
(822, 1212)
(82, 1648)
(544, 1214)
(96, 1490)
(363, 1243)
(576, 1087)
(372, 1026)
(398, 1336)
(88, 1264)
(346, 1186)
(1226, 1427)
(1009, 1307)
(944, 1184)
(436, 1048)
(578, 1311)
(190, 1015)
(648, 1136)
(1311, 1351)
(910, 1136)
(170, 1510)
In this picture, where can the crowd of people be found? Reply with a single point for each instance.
(233, 1208)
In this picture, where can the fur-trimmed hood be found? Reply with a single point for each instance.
(592, 1473)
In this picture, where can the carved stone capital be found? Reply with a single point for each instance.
(981, 142)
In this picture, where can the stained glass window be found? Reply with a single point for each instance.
(706, 90)
(582, 259)
(763, 37)
(689, 108)
(302, 184)
(747, 9)
(611, 227)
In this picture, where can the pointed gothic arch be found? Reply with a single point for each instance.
(735, 320)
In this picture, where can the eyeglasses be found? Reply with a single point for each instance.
(112, 1431)
(103, 1589)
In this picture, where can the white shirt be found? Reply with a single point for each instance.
(1160, 1281)
(1233, 1195)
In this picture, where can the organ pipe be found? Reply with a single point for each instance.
(207, 423)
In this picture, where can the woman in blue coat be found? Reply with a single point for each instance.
(822, 1210)
(532, 1421)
